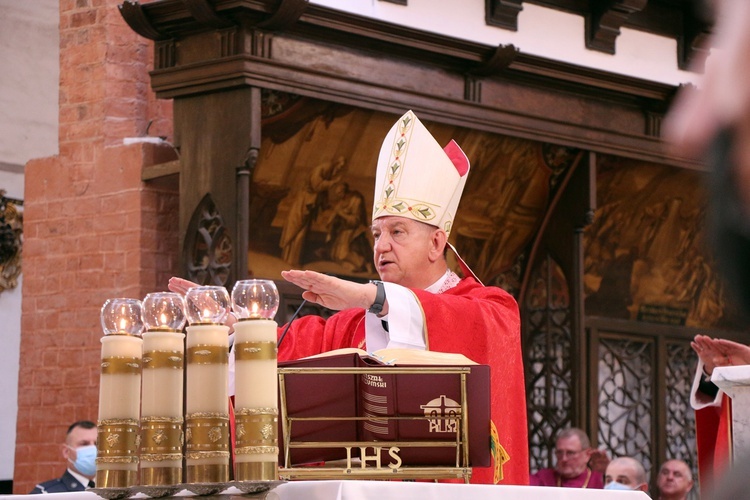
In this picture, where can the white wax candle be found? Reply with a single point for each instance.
(206, 392)
(119, 409)
(207, 383)
(120, 393)
(256, 379)
(162, 385)
(162, 392)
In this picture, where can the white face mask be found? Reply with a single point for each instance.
(85, 461)
(614, 485)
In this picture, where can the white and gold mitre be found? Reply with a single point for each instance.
(418, 179)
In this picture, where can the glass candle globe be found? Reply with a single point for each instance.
(164, 311)
(122, 317)
(255, 299)
(207, 305)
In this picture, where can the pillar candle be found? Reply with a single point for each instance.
(119, 411)
(207, 404)
(256, 403)
(161, 408)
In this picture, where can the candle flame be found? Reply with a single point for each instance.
(254, 310)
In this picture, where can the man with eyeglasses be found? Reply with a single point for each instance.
(573, 453)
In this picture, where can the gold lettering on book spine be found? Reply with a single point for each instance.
(253, 351)
(208, 355)
(121, 365)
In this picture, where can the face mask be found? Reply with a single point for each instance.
(85, 459)
(614, 485)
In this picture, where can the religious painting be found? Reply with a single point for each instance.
(312, 192)
(645, 256)
(11, 239)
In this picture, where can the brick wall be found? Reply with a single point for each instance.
(92, 229)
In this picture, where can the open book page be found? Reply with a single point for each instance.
(396, 356)
(420, 357)
(336, 352)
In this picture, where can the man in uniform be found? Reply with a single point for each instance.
(420, 303)
(79, 451)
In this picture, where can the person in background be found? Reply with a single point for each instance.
(712, 407)
(625, 473)
(675, 480)
(79, 452)
(573, 453)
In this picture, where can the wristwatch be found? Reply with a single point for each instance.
(377, 306)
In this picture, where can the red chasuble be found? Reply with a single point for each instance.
(713, 436)
(482, 323)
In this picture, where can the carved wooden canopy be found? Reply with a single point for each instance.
(293, 46)
(686, 21)
(682, 20)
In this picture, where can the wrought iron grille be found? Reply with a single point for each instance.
(680, 428)
(548, 355)
(626, 397)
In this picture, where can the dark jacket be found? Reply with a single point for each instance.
(60, 485)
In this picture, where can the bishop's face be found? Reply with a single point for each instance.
(404, 251)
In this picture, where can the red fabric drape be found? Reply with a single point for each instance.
(714, 441)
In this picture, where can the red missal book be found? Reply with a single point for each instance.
(435, 397)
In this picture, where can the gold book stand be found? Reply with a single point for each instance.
(362, 459)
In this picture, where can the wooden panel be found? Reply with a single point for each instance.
(212, 146)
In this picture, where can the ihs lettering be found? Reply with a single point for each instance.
(375, 457)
